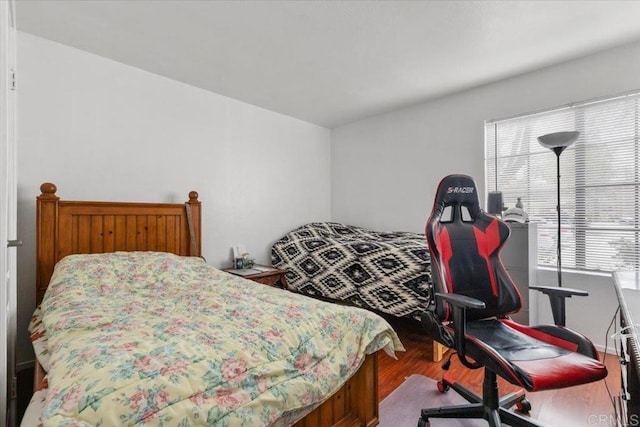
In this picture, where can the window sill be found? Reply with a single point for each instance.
(572, 271)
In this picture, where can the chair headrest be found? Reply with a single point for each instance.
(457, 190)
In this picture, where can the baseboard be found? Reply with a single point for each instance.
(25, 365)
(610, 350)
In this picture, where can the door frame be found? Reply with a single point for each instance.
(8, 200)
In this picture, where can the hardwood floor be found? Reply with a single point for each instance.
(586, 405)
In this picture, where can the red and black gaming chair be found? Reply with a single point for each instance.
(474, 296)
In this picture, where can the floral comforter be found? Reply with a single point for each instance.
(157, 339)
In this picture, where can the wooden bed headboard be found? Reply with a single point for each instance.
(79, 227)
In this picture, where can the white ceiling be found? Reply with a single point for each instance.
(334, 62)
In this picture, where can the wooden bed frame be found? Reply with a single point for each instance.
(81, 227)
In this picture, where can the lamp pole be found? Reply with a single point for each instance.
(558, 142)
(558, 151)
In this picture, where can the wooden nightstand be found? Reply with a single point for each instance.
(271, 276)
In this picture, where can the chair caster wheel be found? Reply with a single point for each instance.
(442, 387)
(423, 423)
(524, 406)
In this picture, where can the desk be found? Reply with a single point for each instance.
(627, 285)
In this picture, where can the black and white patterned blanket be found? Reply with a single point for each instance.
(388, 272)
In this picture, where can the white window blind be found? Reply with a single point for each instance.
(600, 180)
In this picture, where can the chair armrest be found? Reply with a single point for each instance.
(557, 299)
(562, 292)
(460, 303)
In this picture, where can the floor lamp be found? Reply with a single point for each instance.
(557, 142)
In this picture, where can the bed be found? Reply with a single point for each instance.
(102, 267)
(386, 272)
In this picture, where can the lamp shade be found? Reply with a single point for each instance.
(558, 139)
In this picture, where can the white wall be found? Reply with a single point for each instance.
(101, 130)
(385, 168)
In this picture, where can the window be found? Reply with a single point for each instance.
(599, 178)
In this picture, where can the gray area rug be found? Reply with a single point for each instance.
(402, 407)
